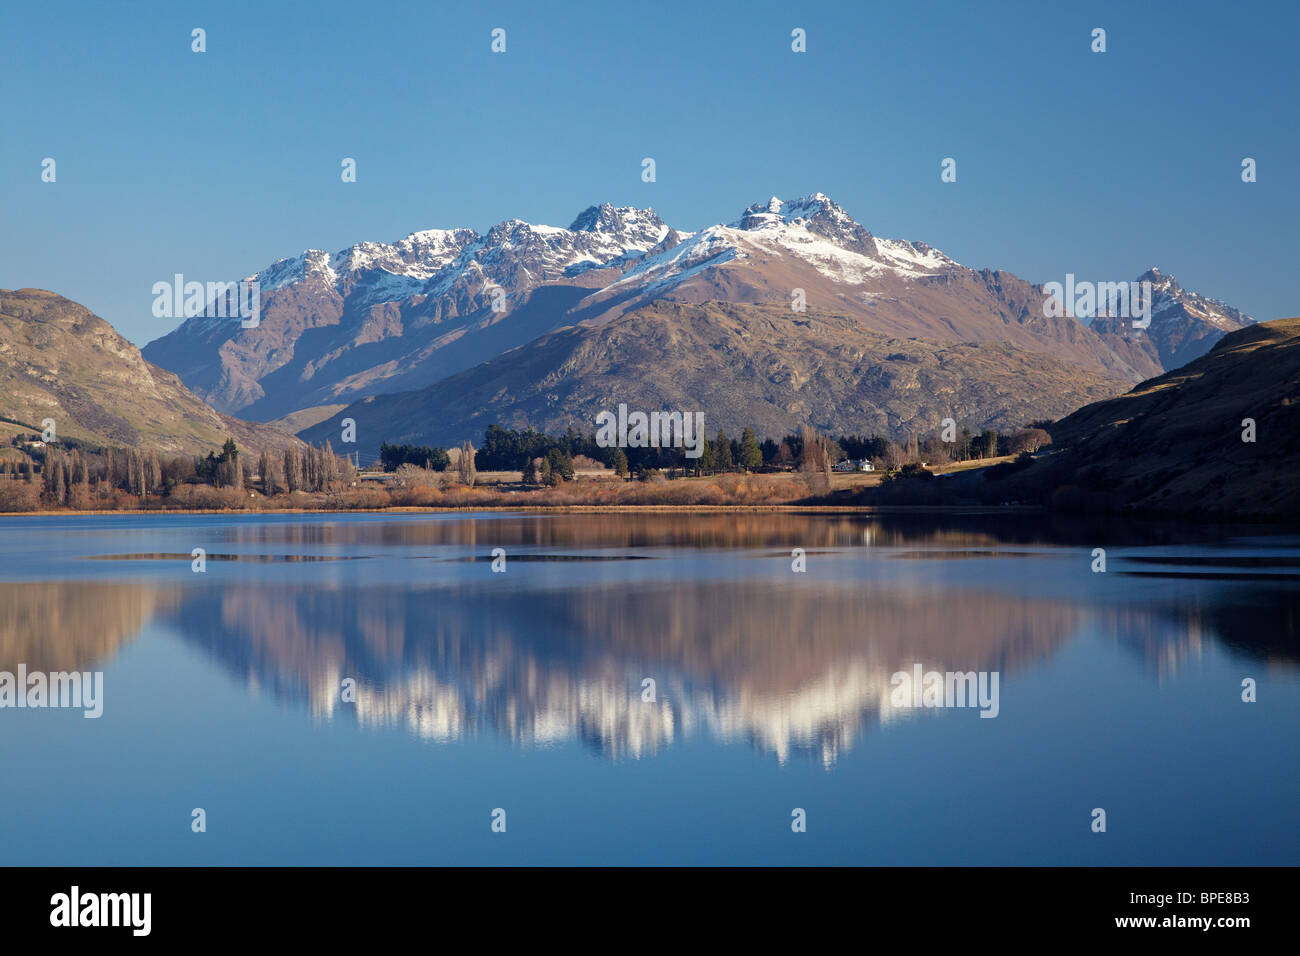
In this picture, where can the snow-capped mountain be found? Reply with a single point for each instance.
(819, 217)
(1171, 299)
(388, 317)
(382, 316)
(812, 230)
(435, 261)
(1184, 326)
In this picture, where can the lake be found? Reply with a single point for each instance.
(650, 689)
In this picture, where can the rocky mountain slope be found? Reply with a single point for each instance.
(741, 365)
(1184, 325)
(379, 317)
(58, 360)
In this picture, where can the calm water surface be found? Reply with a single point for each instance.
(522, 690)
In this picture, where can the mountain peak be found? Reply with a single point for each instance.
(591, 218)
(1167, 290)
(614, 219)
(1160, 281)
(1183, 324)
(817, 213)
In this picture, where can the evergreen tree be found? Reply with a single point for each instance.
(618, 461)
(723, 454)
(560, 464)
(705, 463)
(751, 456)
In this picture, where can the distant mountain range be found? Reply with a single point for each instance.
(617, 308)
(622, 307)
(60, 361)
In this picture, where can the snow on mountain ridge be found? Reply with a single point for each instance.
(519, 255)
(1168, 294)
(817, 214)
(643, 224)
(420, 255)
(430, 259)
(813, 228)
(712, 246)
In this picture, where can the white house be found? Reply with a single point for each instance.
(850, 464)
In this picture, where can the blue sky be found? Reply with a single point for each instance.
(216, 164)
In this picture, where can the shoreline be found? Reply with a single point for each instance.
(1246, 523)
(548, 509)
(1276, 524)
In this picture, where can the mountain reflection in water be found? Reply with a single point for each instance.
(739, 647)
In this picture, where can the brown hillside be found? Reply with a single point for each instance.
(1174, 443)
(59, 360)
(741, 365)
